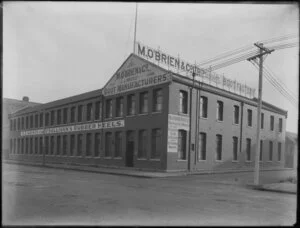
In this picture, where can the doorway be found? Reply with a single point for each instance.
(129, 148)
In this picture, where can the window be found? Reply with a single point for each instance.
(88, 145)
(248, 149)
(58, 145)
(23, 123)
(46, 145)
(249, 112)
(52, 118)
(270, 151)
(98, 110)
(11, 146)
(108, 108)
(27, 122)
(89, 112)
(157, 100)
(182, 144)
(65, 115)
(183, 97)
(41, 120)
(236, 114)
(65, 145)
(36, 145)
(220, 110)
(41, 146)
(261, 150)
(131, 104)
(23, 142)
(72, 145)
(235, 148)
(108, 142)
(97, 144)
(262, 120)
(31, 121)
(31, 146)
(119, 109)
(47, 118)
(20, 146)
(79, 144)
(79, 113)
(118, 144)
(271, 123)
(218, 147)
(202, 146)
(280, 125)
(19, 124)
(11, 125)
(142, 151)
(52, 144)
(58, 116)
(203, 107)
(15, 124)
(143, 102)
(73, 111)
(27, 146)
(156, 143)
(279, 151)
(36, 121)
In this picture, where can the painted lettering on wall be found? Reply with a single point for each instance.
(74, 128)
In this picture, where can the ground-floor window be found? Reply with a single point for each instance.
(97, 144)
(58, 144)
(52, 143)
(88, 144)
(279, 151)
(118, 144)
(72, 145)
(41, 146)
(31, 145)
(11, 146)
(218, 147)
(202, 146)
(270, 151)
(26, 146)
(108, 142)
(47, 145)
(156, 143)
(182, 144)
(235, 148)
(142, 152)
(65, 144)
(79, 145)
(19, 146)
(248, 149)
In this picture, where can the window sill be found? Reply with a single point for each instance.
(143, 114)
(119, 117)
(183, 114)
(154, 159)
(108, 118)
(181, 160)
(219, 121)
(156, 112)
(107, 157)
(269, 161)
(200, 160)
(118, 158)
(131, 115)
(204, 118)
(248, 161)
(235, 161)
(218, 160)
(235, 124)
(141, 159)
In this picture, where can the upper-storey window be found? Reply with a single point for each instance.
(236, 114)
(272, 123)
(58, 116)
(203, 107)
(31, 121)
(79, 113)
(41, 119)
(183, 99)
(47, 119)
(73, 111)
(52, 117)
(108, 108)
(23, 123)
(36, 120)
(11, 125)
(249, 115)
(280, 125)
(89, 111)
(143, 102)
(65, 115)
(27, 122)
(131, 104)
(19, 124)
(98, 110)
(262, 120)
(119, 108)
(157, 100)
(220, 110)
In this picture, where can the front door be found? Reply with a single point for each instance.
(130, 149)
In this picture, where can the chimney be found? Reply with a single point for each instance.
(25, 98)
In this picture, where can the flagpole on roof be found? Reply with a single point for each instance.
(134, 41)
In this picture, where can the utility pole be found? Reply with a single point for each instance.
(190, 121)
(262, 51)
(134, 41)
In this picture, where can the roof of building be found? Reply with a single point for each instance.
(181, 78)
(14, 105)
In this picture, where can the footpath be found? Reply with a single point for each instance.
(134, 172)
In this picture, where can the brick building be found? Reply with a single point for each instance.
(141, 119)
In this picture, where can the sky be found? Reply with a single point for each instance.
(53, 50)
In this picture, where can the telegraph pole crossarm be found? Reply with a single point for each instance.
(262, 51)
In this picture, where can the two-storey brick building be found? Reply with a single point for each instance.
(141, 119)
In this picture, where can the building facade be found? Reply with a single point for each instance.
(149, 118)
